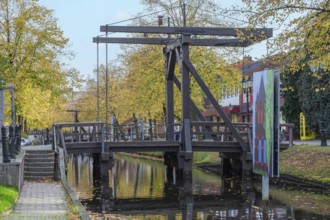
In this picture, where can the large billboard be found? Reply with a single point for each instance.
(265, 123)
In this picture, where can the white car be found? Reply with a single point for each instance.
(25, 142)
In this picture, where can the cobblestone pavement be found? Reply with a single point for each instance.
(40, 200)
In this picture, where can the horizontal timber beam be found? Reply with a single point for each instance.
(215, 31)
(164, 41)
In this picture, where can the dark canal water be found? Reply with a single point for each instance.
(141, 189)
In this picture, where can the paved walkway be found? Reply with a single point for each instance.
(310, 142)
(40, 200)
(37, 147)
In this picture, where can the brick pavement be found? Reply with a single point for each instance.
(40, 200)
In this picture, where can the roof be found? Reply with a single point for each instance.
(212, 111)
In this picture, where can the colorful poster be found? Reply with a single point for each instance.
(263, 123)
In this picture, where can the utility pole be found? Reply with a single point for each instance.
(12, 88)
(98, 83)
(2, 107)
(106, 84)
(184, 14)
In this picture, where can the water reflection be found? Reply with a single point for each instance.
(130, 188)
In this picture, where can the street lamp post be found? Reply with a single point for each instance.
(2, 101)
(230, 108)
(322, 122)
(247, 87)
(320, 89)
(12, 88)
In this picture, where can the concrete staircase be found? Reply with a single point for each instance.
(39, 164)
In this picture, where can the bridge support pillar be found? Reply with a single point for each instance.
(96, 165)
(236, 165)
(106, 190)
(185, 160)
(170, 174)
(181, 161)
(106, 156)
(226, 167)
(186, 197)
(170, 159)
(101, 183)
(246, 164)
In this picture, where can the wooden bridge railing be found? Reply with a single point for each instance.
(133, 132)
(222, 133)
(78, 132)
(288, 133)
(200, 131)
(140, 131)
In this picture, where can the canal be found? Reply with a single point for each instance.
(133, 188)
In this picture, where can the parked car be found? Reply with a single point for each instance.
(25, 142)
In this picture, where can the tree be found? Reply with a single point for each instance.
(144, 80)
(305, 91)
(199, 12)
(33, 45)
(314, 93)
(86, 101)
(291, 107)
(304, 26)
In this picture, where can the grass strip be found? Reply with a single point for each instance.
(8, 196)
(306, 161)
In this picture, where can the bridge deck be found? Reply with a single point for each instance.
(152, 146)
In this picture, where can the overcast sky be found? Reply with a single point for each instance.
(81, 19)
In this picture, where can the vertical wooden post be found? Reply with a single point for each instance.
(169, 73)
(290, 136)
(185, 80)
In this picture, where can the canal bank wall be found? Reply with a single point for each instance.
(74, 198)
(12, 173)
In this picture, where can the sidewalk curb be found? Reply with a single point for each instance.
(81, 209)
(74, 198)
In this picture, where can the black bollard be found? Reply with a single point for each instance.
(11, 142)
(5, 153)
(18, 138)
(57, 175)
(47, 137)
